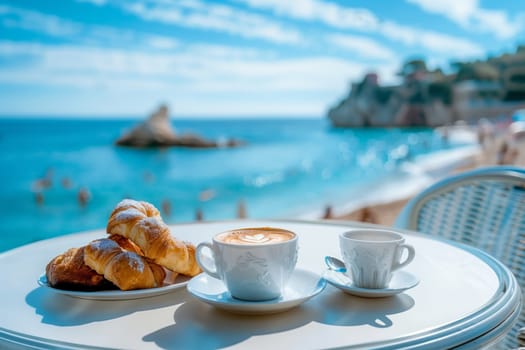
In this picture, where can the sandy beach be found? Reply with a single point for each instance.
(497, 145)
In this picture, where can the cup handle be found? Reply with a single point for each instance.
(411, 254)
(201, 260)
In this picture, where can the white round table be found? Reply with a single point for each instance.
(465, 298)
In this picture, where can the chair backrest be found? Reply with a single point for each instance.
(484, 208)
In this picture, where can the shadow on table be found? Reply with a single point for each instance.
(63, 310)
(198, 325)
(201, 326)
(341, 309)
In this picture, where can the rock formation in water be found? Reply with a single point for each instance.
(157, 131)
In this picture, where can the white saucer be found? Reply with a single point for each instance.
(302, 286)
(401, 281)
(179, 282)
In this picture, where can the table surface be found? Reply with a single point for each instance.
(464, 298)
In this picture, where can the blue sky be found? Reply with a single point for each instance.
(238, 58)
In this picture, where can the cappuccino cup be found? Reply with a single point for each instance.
(254, 263)
(372, 255)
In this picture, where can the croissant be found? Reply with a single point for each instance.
(141, 223)
(68, 271)
(126, 244)
(127, 270)
(146, 208)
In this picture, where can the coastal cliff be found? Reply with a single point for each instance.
(371, 105)
(480, 89)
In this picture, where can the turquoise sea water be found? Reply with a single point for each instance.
(288, 167)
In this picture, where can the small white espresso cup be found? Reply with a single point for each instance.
(254, 263)
(372, 255)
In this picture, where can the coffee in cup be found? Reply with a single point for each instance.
(262, 235)
(254, 263)
(372, 255)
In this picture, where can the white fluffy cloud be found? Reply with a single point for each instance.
(362, 46)
(329, 13)
(433, 41)
(343, 17)
(469, 15)
(193, 73)
(14, 17)
(196, 14)
(214, 68)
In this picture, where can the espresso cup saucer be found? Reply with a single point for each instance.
(302, 286)
(401, 281)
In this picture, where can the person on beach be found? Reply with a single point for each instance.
(66, 183)
(44, 182)
(83, 196)
(166, 207)
(367, 215)
(485, 132)
(39, 198)
(328, 212)
(198, 215)
(241, 210)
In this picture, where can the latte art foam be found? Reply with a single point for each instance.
(263, 235)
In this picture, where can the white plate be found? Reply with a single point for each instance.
(302, 286)
(401, 281)
(179, 282)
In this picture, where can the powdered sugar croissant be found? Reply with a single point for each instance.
(141, 223)
(125, 269)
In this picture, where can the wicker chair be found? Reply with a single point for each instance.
(484, 208)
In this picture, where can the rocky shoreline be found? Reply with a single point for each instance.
(498, 147)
